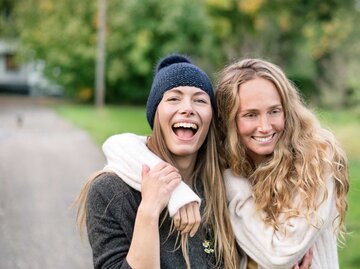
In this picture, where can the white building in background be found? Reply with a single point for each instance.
(25, 78)
(13, 77)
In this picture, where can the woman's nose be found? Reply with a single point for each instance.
(187, 108)
(264, 125)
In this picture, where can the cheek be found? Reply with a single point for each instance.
(161, 121)
(206, 116)
(164, 124)
(209, 118)
(244, 128)
(280, 124)
(164, 112)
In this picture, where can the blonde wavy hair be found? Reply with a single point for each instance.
(216, 216)
(304, 158)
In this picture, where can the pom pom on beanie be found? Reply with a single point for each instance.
(173, 71)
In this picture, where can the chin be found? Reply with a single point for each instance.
(266, 153)
(184, 150)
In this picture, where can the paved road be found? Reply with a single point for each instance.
(43, 164)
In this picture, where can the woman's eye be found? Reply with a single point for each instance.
(250, 115)
(172, 99)
(203, 101)
(275, 111)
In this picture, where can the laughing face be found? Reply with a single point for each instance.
(260, 118)
(184, 114)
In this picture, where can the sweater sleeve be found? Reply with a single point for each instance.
(125, 154)
(111, 211)
(272, 248)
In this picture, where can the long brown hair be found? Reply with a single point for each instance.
(207, 169)
(305, 157)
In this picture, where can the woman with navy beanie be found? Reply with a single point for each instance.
(128, 224)
(171, 72)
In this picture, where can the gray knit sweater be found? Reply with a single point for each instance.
(111, 212)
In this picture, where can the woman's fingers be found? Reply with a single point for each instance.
(145, 170)
(197, 218)
(177, 220)
(158, 184)
(162, 171)
(193, 219)
(187, 219)
(172, 183)
(164, 168)
(306, 260)
(184, 218)
(170, 177)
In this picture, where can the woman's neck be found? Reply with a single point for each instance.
(186, 165)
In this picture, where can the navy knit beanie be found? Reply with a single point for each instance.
(173, 71)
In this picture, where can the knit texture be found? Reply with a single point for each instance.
(274, 249)
(111, 213)
(171, 72)
(117, 147)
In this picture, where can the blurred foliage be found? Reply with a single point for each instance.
(6, 7)
(315, 41)
(139, 32)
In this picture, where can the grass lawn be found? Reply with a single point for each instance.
(108, 121)
(345, 124)
(350, 254)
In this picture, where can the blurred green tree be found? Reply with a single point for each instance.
(316, 41)
(311, 39)
(139, 32)
(142, 31)
(63, 34)
(6, 27)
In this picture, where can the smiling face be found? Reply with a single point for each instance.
(260, 119)
(185, 115)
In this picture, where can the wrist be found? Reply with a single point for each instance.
(148, 213)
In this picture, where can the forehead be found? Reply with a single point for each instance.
(185, 90)
(258, 92)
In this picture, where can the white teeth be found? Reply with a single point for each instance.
(185, 125)
(263, 139)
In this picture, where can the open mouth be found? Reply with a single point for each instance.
(263, 139)
(185, 130)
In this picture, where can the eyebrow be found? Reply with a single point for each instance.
(199, 92)
(253, 109)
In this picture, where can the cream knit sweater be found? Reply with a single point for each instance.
(270, 248)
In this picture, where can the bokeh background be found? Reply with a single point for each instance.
(53, 48)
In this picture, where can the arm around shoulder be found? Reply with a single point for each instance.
(125, 155)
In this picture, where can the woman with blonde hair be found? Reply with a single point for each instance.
(292, 173)
(131, 229)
